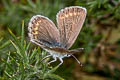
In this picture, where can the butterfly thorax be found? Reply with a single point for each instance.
(59, 52)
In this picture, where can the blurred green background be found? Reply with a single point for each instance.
(100, 37)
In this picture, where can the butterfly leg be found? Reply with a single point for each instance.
(46, 57)
(53, 60)
(81, 48)
(60, 61)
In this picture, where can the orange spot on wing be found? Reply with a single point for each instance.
(35, 37)
(37, 24)
(66, 15)
(75, 14)
(70, 14)
(62, 17)
(35, 28)
(35, 33)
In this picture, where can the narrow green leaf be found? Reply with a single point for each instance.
(22, 34)
(7, 7)
(54, 76)
(8, 74)
(31, 3)
(14, 37)
(8, 65)
(5, 44)
(53, 70)
(11, 58)
(1, 39)
(26, 8)
(38, 3)
(17, 48)
(20, 49)
(27, 47)
(33, 53)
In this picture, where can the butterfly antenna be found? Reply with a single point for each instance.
(76, 59)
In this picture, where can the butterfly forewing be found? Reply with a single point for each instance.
(70, 21)
(43, 30)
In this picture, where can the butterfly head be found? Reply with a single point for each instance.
(67, 55)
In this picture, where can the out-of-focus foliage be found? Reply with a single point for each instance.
(100, 38)
(13, 11)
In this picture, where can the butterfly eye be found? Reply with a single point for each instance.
(68, 55)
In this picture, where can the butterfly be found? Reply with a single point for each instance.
(57, 40)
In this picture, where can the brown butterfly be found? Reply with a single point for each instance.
(57, 40)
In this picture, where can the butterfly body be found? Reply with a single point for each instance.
(57, 40)
(58, 53)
